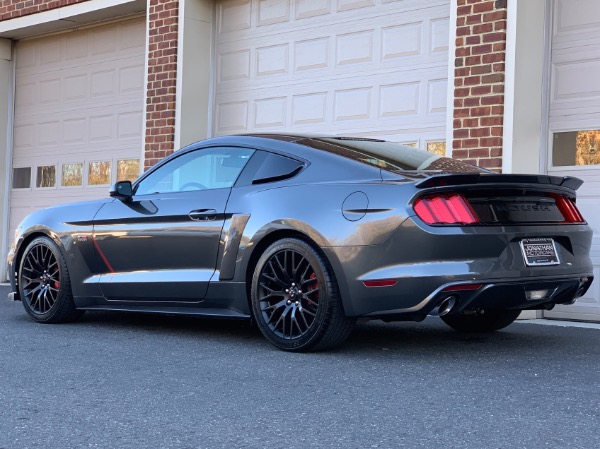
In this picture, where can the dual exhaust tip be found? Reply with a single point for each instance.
(445, 306)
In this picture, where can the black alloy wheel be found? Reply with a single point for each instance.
(295, 298)
(44, 284)
(484, 320)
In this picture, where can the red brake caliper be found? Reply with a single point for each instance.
(56, 283)
(313, 286)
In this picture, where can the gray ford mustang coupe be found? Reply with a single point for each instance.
(305, 235)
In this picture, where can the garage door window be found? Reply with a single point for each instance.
(46, 176)
(438, 148)
(576, 148)
(128, 169)
(99, 173)
(72, 175)
(21, 178)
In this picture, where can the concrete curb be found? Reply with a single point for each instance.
(561, 323)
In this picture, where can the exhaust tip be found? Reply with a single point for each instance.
(445, 306)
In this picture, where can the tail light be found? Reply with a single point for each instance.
(445, 209)
(568, 209)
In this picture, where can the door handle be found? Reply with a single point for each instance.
(203, 214)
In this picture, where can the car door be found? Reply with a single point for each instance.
(162, 244)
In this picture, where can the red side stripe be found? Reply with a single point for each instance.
(102, 256)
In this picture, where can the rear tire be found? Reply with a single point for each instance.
(489, 320)
(44, 283)
(295, 299)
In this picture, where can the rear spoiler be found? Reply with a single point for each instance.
(494, 178)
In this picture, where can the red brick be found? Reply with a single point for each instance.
(494, 99)
(470, 143)
(472, 80)
(481, 111)
(490, 163)
(491, 121)
(462, 112)
(500, 25)
(460, 154)
(481, 49)
(479, 132)
(462, 71)
(494, 37)
(461, 92)
(483, 28)
(491, 142)
(481, 70)
(496, 152)
(496, 131)
(483, 6)
(492, 57)
(463, 31)
(460, 133)
(494, 16)
(471, 101)
(473, 40)
(493, 78)
(481, 90)
(464, 10)
(473, 60)
(479, 152)
(470, 122)
(473, 19)
(499, 47)
(462, 51)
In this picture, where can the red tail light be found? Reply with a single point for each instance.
(445, 209)
(568, 209)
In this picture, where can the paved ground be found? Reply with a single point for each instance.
(132, 381)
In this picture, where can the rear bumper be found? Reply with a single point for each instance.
(496, 294)
(423, 261)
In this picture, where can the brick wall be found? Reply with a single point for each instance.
(162, 76)
(11, 9)
(479, 82)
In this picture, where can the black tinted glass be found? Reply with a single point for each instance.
(276, 168)
(390, 156)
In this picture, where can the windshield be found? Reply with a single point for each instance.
(390, 156)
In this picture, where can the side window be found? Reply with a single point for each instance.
(276, 168)
(210, 168)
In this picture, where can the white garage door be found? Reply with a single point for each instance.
(78, 115)
(365, 67)
(574, 124)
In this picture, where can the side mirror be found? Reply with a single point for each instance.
(122, 190)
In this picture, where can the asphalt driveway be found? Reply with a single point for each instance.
(139, 381)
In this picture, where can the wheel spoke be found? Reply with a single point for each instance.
(288, 293)
(39, 278)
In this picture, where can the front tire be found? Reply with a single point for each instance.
(44, 283)
(487, 320)
(295, 299)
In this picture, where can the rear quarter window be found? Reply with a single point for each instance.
(276, 168)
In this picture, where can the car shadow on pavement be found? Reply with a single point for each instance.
(430, 336)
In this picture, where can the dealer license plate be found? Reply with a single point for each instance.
(539, 251)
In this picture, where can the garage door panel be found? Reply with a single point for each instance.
(575, 106)
(78, 100)
(394, 100)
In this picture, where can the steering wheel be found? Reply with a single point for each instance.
(193, 186)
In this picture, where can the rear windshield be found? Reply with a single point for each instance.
(390, 156)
